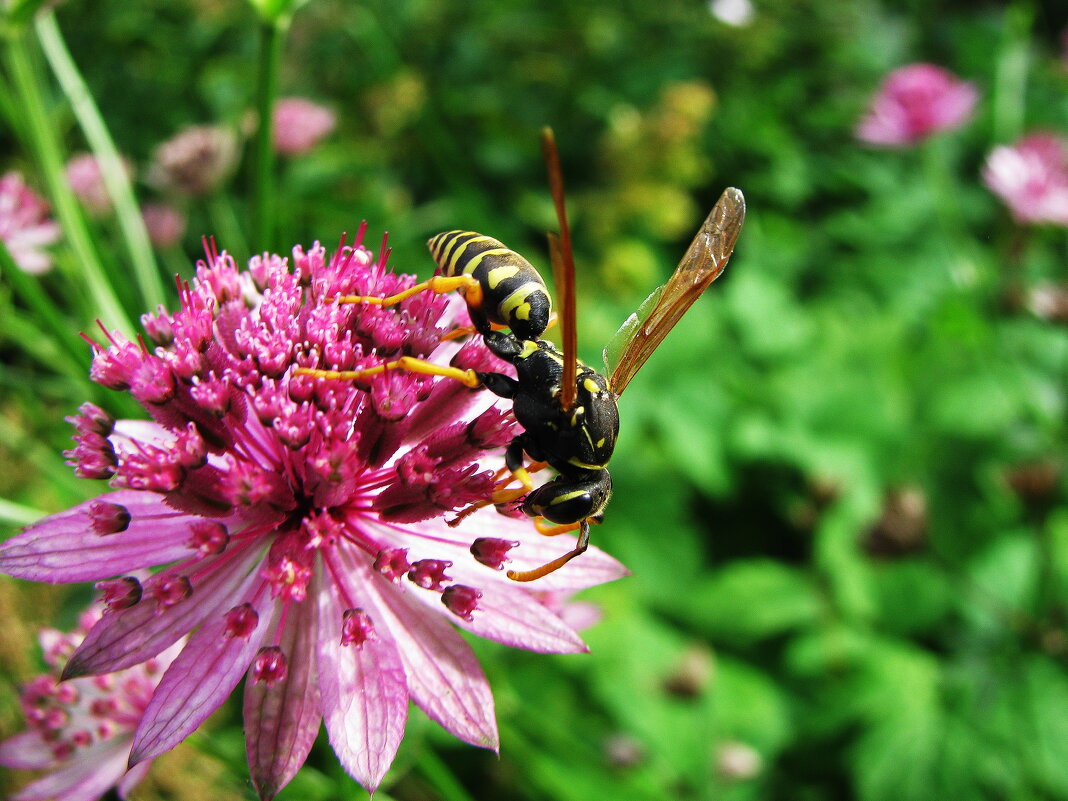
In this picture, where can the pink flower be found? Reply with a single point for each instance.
(299, 125)
(25, 226)
(300, 520)
(87, 181)
(195, 161)
(80, 731)
(1031, 177)
(165, 224)
(915, 102)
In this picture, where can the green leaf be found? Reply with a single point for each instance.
(747, 602)
(1002, 582)
(913, 596)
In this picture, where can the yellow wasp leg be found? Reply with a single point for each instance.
(469, 378)
(551, 531)
(558, 562)
(468, 330)
(439, 284)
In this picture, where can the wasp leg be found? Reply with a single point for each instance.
(558, 562)
(552, 531)
(468, 330)
(439, 285)
(469, 378)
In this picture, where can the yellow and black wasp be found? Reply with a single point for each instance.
(568, 411)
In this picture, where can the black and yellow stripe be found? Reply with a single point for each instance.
(514, 294)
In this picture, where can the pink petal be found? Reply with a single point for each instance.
(130, 636)
(26, 751)
(506, 612)
(86, 777)
(511, 616)
(364, 694)
(443, 675)
(64, 548)
(281, 722)
(132, 778)
(592, 568)
(199, 680)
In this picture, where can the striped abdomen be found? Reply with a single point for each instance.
(514, 294)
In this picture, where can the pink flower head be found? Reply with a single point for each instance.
(299, 125)
(1031, 177)
(915, 102)
(80, 731)
(299, 521)
(195, 161)
(25, 226)
(165, 224)
(87, 180)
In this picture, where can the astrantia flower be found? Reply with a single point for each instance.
(195, 161)
(915, 102)
(1031, 177)
(301, 520)
(738, 13)
(81, 731)
(299, 125)
(165, 224)
(25, 225)
(87, 181)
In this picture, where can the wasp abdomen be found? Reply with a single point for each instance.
(514, 294)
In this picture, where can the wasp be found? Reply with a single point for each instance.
(568, 411)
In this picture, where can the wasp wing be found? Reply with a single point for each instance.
(563, 262)
(644, 330)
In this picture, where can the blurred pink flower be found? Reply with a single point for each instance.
(300, 519)
(87, 181)
(915, 102)
(80, 731)
(25, 225)
(579, 615)
(738, 13)
(299, 125)
(195, 161)
(1031, 177)
(165, 224)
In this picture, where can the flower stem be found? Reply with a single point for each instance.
(29, 290)
(272, 36)
(964, 259)
(15, 514)
(1010, 75)
(44, 142)
(116, 179)
(225, 222)
(439, 775)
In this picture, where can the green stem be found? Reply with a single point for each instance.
(46, 147)
(1010, 75)
(29, 290)
(272, 36)
(435, 770)
(114, 173)
(15, 514)
(965, 259)
(227, 227)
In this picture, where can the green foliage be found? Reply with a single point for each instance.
(840, 482)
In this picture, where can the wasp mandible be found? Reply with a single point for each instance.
(567, 410)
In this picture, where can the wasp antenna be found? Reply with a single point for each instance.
(564, 273)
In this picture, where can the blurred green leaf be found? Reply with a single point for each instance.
(751, 601)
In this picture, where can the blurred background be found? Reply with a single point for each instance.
(840, 481)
